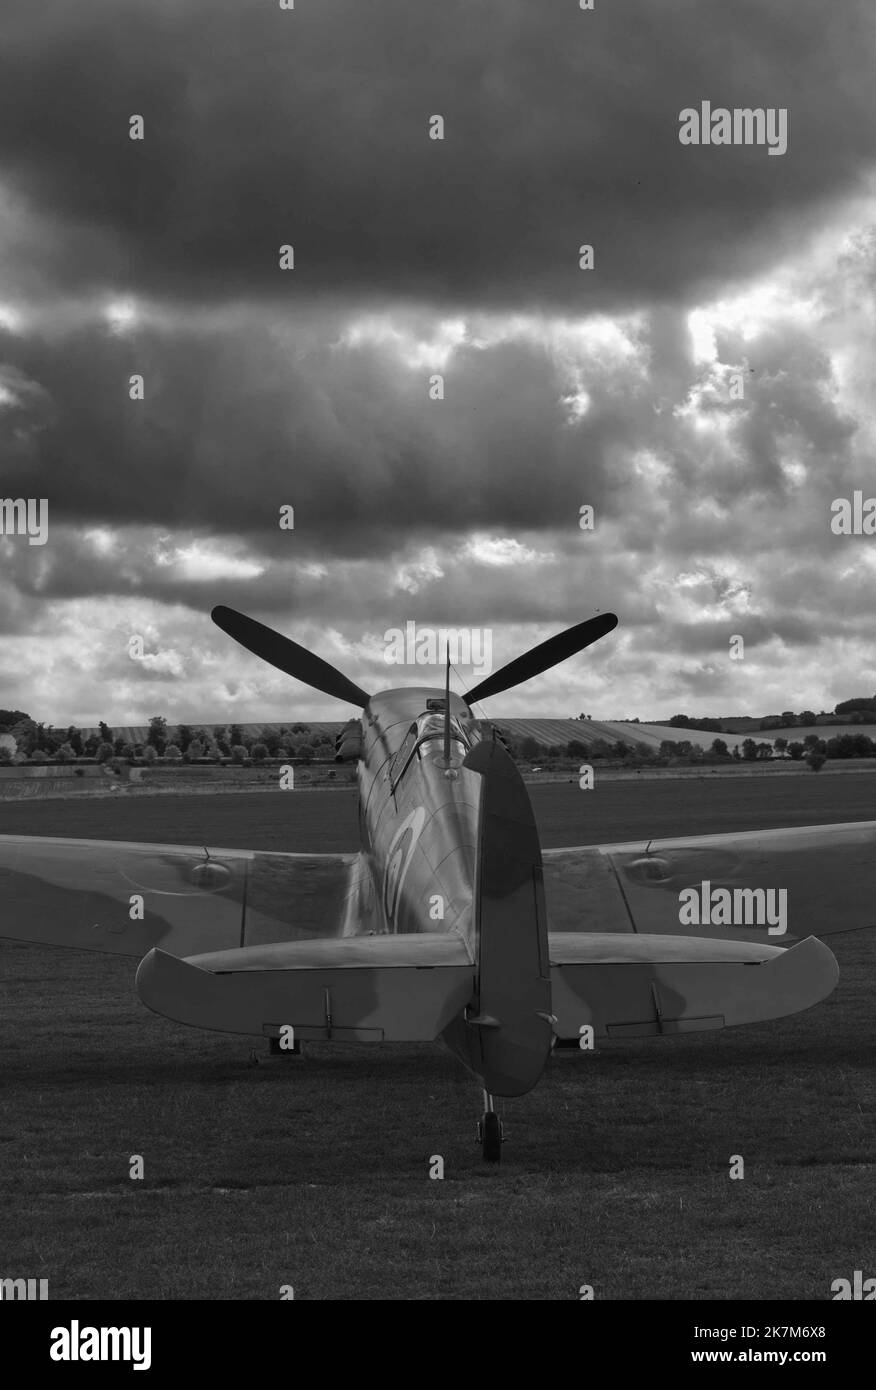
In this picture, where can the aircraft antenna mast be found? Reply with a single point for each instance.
(447, 711)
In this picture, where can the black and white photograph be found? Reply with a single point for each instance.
(437, 667)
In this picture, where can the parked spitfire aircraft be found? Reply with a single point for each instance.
(450, 922)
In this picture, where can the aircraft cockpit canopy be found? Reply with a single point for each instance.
(425, 739)
(431, 725)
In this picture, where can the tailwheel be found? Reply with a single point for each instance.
(491, 1137)
(490, 1132)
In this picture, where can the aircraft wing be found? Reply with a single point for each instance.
(829, 872)
(104, 895)
(627, 986)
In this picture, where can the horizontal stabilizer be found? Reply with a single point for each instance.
(403, 988)
(640, 986)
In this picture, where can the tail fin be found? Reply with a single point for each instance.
(507, 1035)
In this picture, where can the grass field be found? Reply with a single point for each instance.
(314, 1173)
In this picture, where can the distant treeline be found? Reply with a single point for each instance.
(37, 742)
(672, 752)
(858, 711)
(862, 703)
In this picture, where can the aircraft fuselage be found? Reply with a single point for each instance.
(448, 853)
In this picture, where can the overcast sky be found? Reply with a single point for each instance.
(612, 387)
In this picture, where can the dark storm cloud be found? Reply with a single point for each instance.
(237, 424)
(234, 427)
(692, 638)
(310, 127)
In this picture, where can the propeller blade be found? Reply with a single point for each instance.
(545, 655)
(287, 656)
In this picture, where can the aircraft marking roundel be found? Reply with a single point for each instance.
(398, 859)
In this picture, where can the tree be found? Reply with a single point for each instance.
(34, 736)
(119, 746)
(815, 761)
(861, 702)
(796, 750)
(196, 749)
(259, 752)
(39, 755)
(719, 748)
(24, 734)
(771, 721)
(157, 734)
(106, 735)
(788, 718)
(235, 737)
(184, 737)
(687, 721)
(65, 753)
(780, 744)
(238, 754)
(172, 753)
(576, 749)
(91, 745)
(749, 750)
(104, 751)
(150, 753)
(807, 717)
(10, 717)
(74, 738)
(848, 746)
